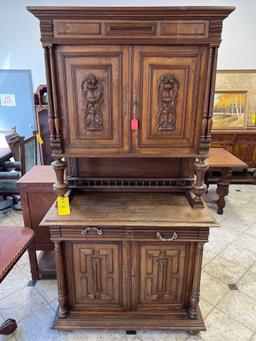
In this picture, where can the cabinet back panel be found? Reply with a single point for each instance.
(131, 167)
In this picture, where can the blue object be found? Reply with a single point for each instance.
(22, 115)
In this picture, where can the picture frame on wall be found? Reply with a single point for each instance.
(235, 100)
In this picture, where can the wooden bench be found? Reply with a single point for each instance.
(224, 162)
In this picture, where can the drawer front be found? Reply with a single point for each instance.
(77, 29)
(167, 235)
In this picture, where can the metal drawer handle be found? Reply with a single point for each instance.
(87, 229)
(174, 236)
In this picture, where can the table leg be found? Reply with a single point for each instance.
(8, 327)
(223, 188)
(33, 264)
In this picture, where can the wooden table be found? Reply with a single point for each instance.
(37, 196)
(224, 162)
(13, 243)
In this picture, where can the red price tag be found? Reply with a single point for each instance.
(134, 124)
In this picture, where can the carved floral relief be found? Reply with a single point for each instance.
(167, 99)
(92, 88)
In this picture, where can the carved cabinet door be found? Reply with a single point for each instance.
(93, 99)
(159, 274)
(97, 275)
(166, 101)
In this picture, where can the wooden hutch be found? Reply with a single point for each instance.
(130, 94)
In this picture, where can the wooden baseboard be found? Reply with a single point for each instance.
(129, 321)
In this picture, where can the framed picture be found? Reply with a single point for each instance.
(235, 100)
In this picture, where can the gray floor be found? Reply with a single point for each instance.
(230, 257)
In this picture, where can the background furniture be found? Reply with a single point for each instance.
(242, 144)
(130, 95)
(24, 152)
(224, 162)
(5, 154)
(19, 111)
(37, 196)
(13, 243)
(41, 109)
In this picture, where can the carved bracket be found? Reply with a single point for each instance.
(92, 88)
(167, 99)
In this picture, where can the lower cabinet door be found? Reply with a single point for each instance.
(97, 274)
(160, 275)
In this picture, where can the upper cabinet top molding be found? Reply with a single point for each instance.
(143, 13)
(131, 24)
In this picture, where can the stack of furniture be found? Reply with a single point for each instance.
(24, 152)
(130, 94)
(41, 109)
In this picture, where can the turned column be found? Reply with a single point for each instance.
(194, 299)
(199, 186)
(62, 293)
(60, 187)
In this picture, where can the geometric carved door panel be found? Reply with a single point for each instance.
(162, 270)
(97, 273)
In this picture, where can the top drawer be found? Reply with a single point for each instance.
(99, 233)
(64, 28)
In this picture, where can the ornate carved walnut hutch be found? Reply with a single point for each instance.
(130, 104)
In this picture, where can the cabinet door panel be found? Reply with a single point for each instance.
(167, 90)
(97, 272)
(92, 100)
(160, 275)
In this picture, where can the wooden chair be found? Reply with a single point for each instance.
(13, 244)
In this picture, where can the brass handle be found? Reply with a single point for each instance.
(95, 229)
(134, 105)
(174, 236)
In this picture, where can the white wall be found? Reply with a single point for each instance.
(20, 47)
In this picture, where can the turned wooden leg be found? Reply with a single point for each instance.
(194, 299)
(62, 293)
(223, 188)
(8, 327)
(60, 187)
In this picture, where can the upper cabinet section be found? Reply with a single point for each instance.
(131, 24)
(134, 81)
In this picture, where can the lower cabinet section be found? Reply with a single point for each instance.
(130, 282)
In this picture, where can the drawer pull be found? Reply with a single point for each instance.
(95, 229)
(174, 236)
